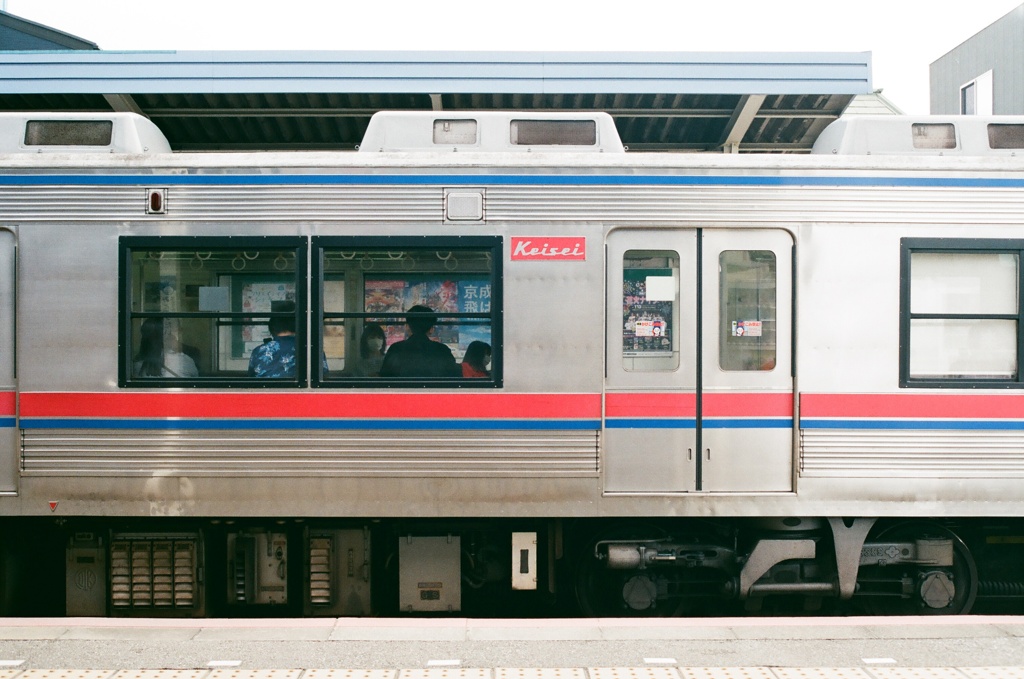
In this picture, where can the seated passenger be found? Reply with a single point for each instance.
(419, 356)
(476, 360)
(371, 352)
(160, 353)
(276, 356)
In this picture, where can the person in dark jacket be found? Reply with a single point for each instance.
(419, 356)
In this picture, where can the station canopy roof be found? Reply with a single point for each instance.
(211, 101)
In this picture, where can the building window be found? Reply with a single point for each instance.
(977, 96)
(960, 313)
(408, 311)
(212, 311)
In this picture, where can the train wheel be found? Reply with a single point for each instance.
(949, 590)
(609, 592)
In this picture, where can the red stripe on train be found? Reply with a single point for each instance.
(982, 406)
(8, 402)
(773, 404)
(650, 405)
(685, 405)
(301, 405)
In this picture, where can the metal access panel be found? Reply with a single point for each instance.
(524, 561)
(86, 574)
(338, 567)
(429, 573)
(258, 571)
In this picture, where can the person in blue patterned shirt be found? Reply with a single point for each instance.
(276, 356)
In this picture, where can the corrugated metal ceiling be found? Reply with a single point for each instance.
(203, 109)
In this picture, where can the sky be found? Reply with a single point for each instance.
(904, 36)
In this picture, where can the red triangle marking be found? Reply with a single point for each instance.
(53, 506)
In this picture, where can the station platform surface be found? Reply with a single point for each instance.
(965, 647)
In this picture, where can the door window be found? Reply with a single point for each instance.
(747, 318)
(650, 310)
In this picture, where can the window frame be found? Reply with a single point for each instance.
(129, 244)
(911, 246)
(493, 244)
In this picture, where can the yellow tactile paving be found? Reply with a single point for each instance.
(919, 673)
(727, 673)
(446, 673)
(991, 672)
(537, 673)
(821, 673)
(67, 674)
(633, 673)
(540, 673)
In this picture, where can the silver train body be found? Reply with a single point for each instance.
(714, 378)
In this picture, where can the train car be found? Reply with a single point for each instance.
(493, 363)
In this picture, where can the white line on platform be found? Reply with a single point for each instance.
(11, 663)
(224, 663)
(660, 661)
(879, 661)
(443, 663)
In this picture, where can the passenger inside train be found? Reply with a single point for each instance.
(161, 353)
(372, 347)
(419, 356)
(477, 359)
(276, 356)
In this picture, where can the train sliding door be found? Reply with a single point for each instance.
(699, 389)
(9, 440)
(650, 435)
(746, 377)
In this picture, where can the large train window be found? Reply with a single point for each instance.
(408, 311)
(213, 311)
(650, 310)
(961, 315)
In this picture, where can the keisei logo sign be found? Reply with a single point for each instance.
(526, 248)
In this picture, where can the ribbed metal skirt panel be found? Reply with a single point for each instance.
(263, 203)
(84, 203)
(864, 205)
(305, 453)
(612, 204)
(911, 454)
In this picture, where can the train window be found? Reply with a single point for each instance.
(553, 132)
(961, 313)
(1006, 136)
(650, 310)
(69, 132)
(747, 285)
(409, 311)
(213, 311)
(934, 135)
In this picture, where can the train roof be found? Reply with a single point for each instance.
(411, 132)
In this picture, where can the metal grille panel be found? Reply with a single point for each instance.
(153, 573)
(320, 549)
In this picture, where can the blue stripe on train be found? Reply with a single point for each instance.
(271, 424)
(500, 180)
(990, 425)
